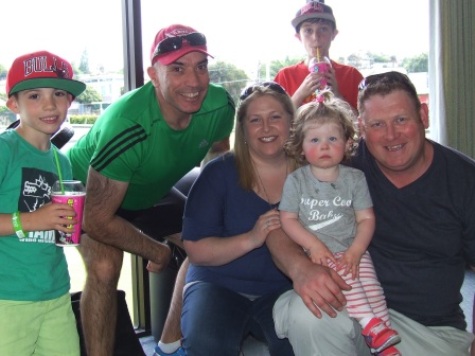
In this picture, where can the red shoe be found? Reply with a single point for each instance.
(378, 336)
(390, 351)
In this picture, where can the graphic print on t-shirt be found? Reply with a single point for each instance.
(324, 212)
(36, 192)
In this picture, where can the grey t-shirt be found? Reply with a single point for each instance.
(327, 209)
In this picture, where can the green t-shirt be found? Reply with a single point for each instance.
(32, 268)
(131, 142)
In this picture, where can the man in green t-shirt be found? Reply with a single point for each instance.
(132, 156)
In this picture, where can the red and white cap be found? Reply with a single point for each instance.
(175, 30)
(42, 70)
(313, 10)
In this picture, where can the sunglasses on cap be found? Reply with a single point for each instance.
(384, 78)
(271, 85)
(171, 44)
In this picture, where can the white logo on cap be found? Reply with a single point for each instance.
(40, 64)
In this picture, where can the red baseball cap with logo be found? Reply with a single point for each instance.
(313, 10)
(175, 41)
(42, 70)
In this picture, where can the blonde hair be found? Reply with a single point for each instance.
(327, 109)
(245, 167)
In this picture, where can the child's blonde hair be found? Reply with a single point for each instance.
(326, 109)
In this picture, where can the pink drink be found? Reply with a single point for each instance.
(320, 67)
(73, 194)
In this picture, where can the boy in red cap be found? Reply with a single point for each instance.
(34, 282)
(315, 27)
(133, 155)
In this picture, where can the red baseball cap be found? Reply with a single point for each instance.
(42, 70)
(194, 43)
(313, 10)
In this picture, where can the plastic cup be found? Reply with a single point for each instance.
(320, 67)
(73, 193)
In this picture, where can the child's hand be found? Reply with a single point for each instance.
(320, 254)
(310, 84)
(350, 262)
(51, 216)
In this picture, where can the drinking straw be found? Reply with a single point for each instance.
(58, 168)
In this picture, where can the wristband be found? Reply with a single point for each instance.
(17, 225)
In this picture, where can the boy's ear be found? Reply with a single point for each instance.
(71, 99)
(12, 104)
(335, 32)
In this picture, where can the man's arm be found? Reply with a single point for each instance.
(319, 287)
(103, 197)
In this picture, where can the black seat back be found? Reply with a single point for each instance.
(60, 138)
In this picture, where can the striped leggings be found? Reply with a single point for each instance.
(366, 297)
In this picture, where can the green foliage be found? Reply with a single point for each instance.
(417, 64)
(84, 63)
(6, 116)
(353, 60)
(379, 58)
(76, 70)
(274, 67)
(414, 64)
(3, 72)
(4, 110)
(228, 76)
(82, 119)
(90, 95)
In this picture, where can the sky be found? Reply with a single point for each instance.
(242, 32)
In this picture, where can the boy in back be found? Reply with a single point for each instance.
(315, 27)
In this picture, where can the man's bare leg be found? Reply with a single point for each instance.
(171, 329)
(98, 300)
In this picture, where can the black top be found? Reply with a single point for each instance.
(425, 236)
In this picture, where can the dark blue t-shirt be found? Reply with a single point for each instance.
(425, 236)
(217, 206)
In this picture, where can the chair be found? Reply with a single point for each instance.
(60, 138)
